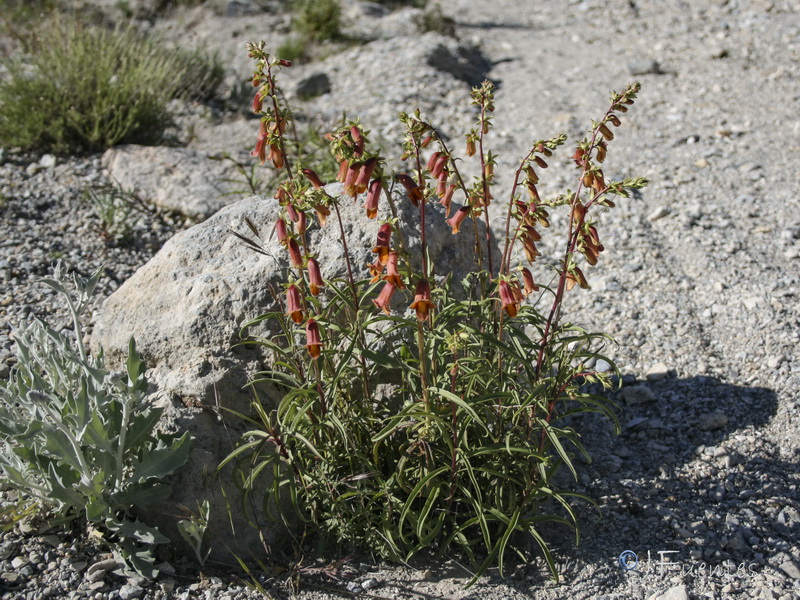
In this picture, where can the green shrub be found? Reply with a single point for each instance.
(79, 442)
(441, 429)
(318, 20)
(85, 89)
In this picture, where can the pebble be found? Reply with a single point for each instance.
(790, 569)
(130, 592)
(712, 421)
(657, 372)
(637, 394)
(659, 213)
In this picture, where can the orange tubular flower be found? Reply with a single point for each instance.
(313, 178)
(422, 300)
(364, 175)
(294, 254)
(293, 305)
(527, 281)
(322, 214)
(447, 199)
(261, 149)
(373, 197)
(384, 299)
(280, 231)
(342, 174)
(257, 102)
(457, 219)
(375, 270)
(382, 243)
(414, 193)
(507, 299)
(313, 341)
(315, 281)
(392, 275)
(350, 179)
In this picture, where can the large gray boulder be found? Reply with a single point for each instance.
(180, 180)
(185, 309)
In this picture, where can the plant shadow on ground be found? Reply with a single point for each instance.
(667, 482)
(650, 493)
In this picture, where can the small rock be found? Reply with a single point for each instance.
(602, 366)
(98, 570)
(790, 569)
(167, 585)
(674, 593)
(637, 394)
(712, 421)
(370, 583)
(130, 592)
(644, 67)
(659, 213)
(701, 163)
(354, 588)
(657, 372)
(9, 578)
(51, 540)
(48, 161)
(312, 86)
(19, 562)
(79, 566)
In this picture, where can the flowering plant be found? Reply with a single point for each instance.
(441, 426)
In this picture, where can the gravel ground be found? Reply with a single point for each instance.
(699, 285)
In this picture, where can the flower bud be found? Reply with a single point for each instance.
(614, 120)
(280, 231)
(540, 161)
(295, 258)
(471, 148)
(358, 141)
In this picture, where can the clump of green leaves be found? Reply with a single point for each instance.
(84, 88)
(79, 441)
(443, 426)
(314, 22)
